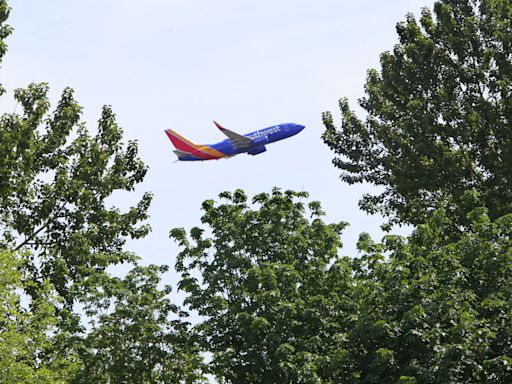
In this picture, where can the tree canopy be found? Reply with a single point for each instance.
(278, 304)
(55, 179)
(431, 310)
(59, 236)
(437, 131)
(137, 335)
(269, 287)
(28, 330)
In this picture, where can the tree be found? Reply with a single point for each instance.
(27, 330)
(55, 180)
(137, 335)
(433, 311)
(5, 30)
(270, 287)
(278, 304)
(437, 132)
(82, 325)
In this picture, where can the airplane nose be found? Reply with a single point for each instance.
(300, 127)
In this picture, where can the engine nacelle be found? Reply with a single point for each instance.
(257, 150)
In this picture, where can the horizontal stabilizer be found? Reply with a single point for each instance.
(181, 153)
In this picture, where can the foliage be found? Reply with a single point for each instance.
(270, 289)
(5, 30)
(133, 337)
(437, 132)
(27, 330)
(54, 182)
(433, 312)
(278, 305)
(80, 324)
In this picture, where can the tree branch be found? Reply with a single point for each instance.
(34, 234)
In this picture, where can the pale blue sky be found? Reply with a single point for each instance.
(182, 63)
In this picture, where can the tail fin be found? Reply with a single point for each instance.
(180, 143)
(185, 147)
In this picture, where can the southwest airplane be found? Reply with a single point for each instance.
(252, 143)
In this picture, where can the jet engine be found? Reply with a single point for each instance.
(257, 150)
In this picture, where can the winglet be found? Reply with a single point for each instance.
(218, 125)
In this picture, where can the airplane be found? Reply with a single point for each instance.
(252, 143)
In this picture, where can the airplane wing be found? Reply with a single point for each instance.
(239, 141)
